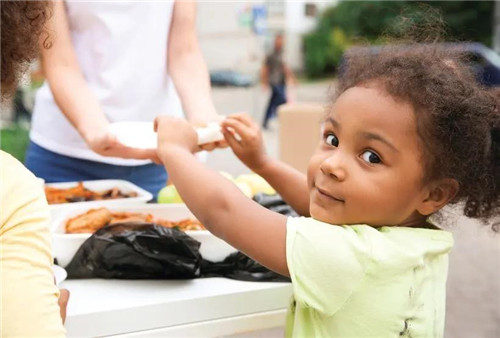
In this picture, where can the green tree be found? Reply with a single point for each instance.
(371, 21)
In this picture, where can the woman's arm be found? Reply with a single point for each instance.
(290, 183)
(73, 95)
(218, 203)
(187, 66)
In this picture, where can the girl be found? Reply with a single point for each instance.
(408, 132)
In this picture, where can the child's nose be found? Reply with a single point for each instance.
(334, 166)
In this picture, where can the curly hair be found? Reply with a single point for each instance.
(22, 29)
(458, 120)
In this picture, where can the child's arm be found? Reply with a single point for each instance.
(290, 183)
(217, 203)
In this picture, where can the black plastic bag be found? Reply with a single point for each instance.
(150, 251)
(275, 203)
(241, 267)
(137, 251)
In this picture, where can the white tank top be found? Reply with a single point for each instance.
(122, 51)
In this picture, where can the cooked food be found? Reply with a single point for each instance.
(81, 194)
(91, 221)
(94, 219)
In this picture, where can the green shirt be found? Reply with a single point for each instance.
(360, 281)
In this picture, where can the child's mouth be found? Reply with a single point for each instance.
(323, 193)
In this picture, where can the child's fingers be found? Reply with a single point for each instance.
(231, 140)
(239, 127)
(243, 118)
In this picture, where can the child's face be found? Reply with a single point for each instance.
(368, 167)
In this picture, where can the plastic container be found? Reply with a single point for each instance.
(143, 196)
(65, 245)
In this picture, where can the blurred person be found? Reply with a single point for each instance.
(103, 67)
(367, 257)
(30, 303)
(276, 75)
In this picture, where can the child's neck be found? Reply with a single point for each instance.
(419, 222)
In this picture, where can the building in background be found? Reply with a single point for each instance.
(237, 36)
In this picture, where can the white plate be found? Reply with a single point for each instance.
(66, 245)
(59, 274)
(135, 134)
(143, 196)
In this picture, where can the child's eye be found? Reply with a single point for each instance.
(371, 157)
(332, 140)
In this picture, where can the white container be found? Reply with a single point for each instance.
(66, 245)
(126, 187)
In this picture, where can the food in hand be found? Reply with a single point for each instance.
(169, 194)
(210, 133)
(81, 194)
(94, 219)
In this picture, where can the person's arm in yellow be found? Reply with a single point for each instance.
(29, 297)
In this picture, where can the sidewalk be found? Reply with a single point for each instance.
(473, 296)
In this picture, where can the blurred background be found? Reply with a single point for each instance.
(235, 38)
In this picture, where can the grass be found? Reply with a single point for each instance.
(14, 140)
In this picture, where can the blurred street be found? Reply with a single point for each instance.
(473, 296)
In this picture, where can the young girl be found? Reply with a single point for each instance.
(408, 132)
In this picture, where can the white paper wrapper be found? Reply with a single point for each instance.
(141, 134)
(210, 133)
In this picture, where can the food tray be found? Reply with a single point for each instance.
(65, 245)
(143, 196)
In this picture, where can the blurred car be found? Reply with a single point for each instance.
(225, 77)
(484, 61)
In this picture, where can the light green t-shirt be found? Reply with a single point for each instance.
(359, 281)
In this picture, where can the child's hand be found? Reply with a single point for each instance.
(175, 132)
(249, 146)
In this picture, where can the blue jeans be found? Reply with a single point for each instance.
(53, 167)
(278, 97)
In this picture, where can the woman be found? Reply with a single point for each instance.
(105, 67)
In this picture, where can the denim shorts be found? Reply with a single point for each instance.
(53, 167)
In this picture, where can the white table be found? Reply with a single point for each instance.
(205, 307)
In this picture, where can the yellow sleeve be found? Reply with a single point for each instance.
(28, 306)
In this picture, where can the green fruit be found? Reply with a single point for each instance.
(169, 194)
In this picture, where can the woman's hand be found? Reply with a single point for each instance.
(101, 141)
(175, 132)
(245, 139)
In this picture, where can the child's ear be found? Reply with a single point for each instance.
(438, 195)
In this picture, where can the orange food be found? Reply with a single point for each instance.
(94, 219)
(80, 194)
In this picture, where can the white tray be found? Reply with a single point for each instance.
(143, 196)
(66, 245)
